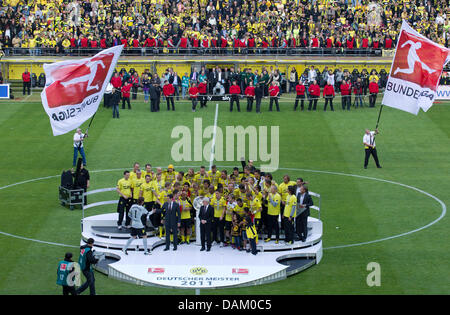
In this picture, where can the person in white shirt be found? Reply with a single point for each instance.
(78, 138)
(370, 147)
(108, 95)
(312, 75)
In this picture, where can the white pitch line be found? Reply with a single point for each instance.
(26, 98)
(211, 159)
(37, 241)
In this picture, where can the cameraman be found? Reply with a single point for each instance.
(82, 181)
(64, 275)
(86, 261)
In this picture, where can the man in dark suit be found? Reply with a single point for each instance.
(153, 91)
(172, 220)
(206, 216)
(304, 201)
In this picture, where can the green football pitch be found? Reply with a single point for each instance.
(394, 216)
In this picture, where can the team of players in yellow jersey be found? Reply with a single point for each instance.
(235, 197)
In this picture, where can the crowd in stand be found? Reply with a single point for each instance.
(241, 26)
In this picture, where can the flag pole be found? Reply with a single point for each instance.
(96, 113)
(379, 115)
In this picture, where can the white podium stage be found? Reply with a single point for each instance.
(188, 267)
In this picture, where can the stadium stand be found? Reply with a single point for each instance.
(193, 27)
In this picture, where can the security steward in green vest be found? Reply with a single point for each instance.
(86, 261)
(65, 277)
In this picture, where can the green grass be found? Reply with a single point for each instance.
(413, 150)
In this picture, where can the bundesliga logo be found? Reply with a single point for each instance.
(72, 83)
(417, 61)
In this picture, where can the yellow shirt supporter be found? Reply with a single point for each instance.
(239, 194)
(185, 209)
(169, 176)
(152, 175)
(214, 178)
(283, 189)
(136, 184)
(291, 201)
(271, 209)
(255, 208)
(199, 178)
(240, 210)
(147, 191)
(124, 185)
(224, 182)
(229, 212)
(162, 196)
(219, 206)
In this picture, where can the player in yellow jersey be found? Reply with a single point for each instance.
(170, 174)
(186, 219)
(148, 193)
(133, 172)
(228, 214)
(223, 179)
(238, 176)
(273, 213)
(201, 176)
(218, 224)
(214, 175)
(255, 207)
(159, 182)
(204, 188)
(124, 190)
(161, 193)
(240, 206)
(148, 171)
(283, 189)
(136, 183)
(247, 174)
(289, 215)
(241, 192)
(189, 176)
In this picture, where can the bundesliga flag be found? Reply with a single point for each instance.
(415, 71)
(74, 88)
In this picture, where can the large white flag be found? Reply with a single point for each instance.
(74, 88)
(415, 71)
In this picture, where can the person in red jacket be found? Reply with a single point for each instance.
(26, 80)
(373, 90)
(300, 89)
(314, 93)
(135, 83)
(126, 88)
(202, 90)
(250, 93)
(168, 91)
(388, 42)
(235, 90)
(328, 94)
(116, 82)
(346, 95)
(193, 94)
(274, 91)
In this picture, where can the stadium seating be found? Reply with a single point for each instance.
(147, 27)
